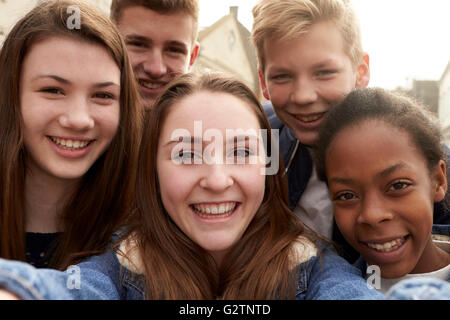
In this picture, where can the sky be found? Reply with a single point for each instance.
(405, 39)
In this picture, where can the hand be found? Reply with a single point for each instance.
(6, 295)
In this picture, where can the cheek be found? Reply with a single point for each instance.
(346, 223)
(278, 94)
(180, 67)
(36, 118)
(174, 185)
(135, 58)
(336, 90)
(254, 186)
(109, 121)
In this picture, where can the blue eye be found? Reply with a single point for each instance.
(244, 153)
(325, 72)
(187, 156)
(280, 77)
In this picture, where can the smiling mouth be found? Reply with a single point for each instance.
(309, 118)
(151, 85)
(388, 246)
(69, 144)
(213, 211)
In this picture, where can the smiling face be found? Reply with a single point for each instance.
(160, 47)
(69, 93)
(305, 76)
(383, 196)
(212, 202)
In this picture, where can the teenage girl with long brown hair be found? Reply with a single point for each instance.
(70, 127)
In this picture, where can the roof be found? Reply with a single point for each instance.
(244, 35)
(447, 70)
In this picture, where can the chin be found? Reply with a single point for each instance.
(70, 175)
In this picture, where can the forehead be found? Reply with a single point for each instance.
(213, 110)
(63, 56)
(175, 26)
(321, 42)
(371, 145)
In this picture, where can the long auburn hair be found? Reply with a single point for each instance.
(101, 201)
(257, 267)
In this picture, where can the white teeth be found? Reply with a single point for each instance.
(70, 144)
(387, 246)
(212, 209)
(151, 85)
(309, 118)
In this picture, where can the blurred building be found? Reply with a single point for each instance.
(12, 11)
(427, 92)
(226, 46)
(444, 102)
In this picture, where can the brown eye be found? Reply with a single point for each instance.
(345, 196)
(400, 185)
(104, 95)
(52, 90)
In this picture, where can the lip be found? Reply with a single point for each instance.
(215, 218)
(71, 154)
(379, 257)
(150, 91)
(309, 125)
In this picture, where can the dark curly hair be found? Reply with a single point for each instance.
(398, 110)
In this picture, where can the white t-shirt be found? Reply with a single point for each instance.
(442, 274)
(315, 208)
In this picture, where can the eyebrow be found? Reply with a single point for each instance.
(54, 77)
(65, 81)
(137, 37)
(198, 140)
(391, 169)
(321, 64)
(384, 173)
(185, 139)
(324, 63)
(234, 139)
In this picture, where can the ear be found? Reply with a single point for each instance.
(262, 81)
(363, 72)
(194, 53)
(440, 181)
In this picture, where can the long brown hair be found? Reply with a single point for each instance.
(100, 202)
(257, 267)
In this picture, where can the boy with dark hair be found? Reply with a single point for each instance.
(161, 38)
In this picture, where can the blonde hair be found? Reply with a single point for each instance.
(288, 19)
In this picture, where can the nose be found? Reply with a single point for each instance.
(216, 177)
(154, 64)
(304, 91)
(374, 211)
(77, 115)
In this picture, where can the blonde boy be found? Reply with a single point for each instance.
(310, 57)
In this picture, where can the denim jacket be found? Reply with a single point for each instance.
(299, 171)
(323, 275)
